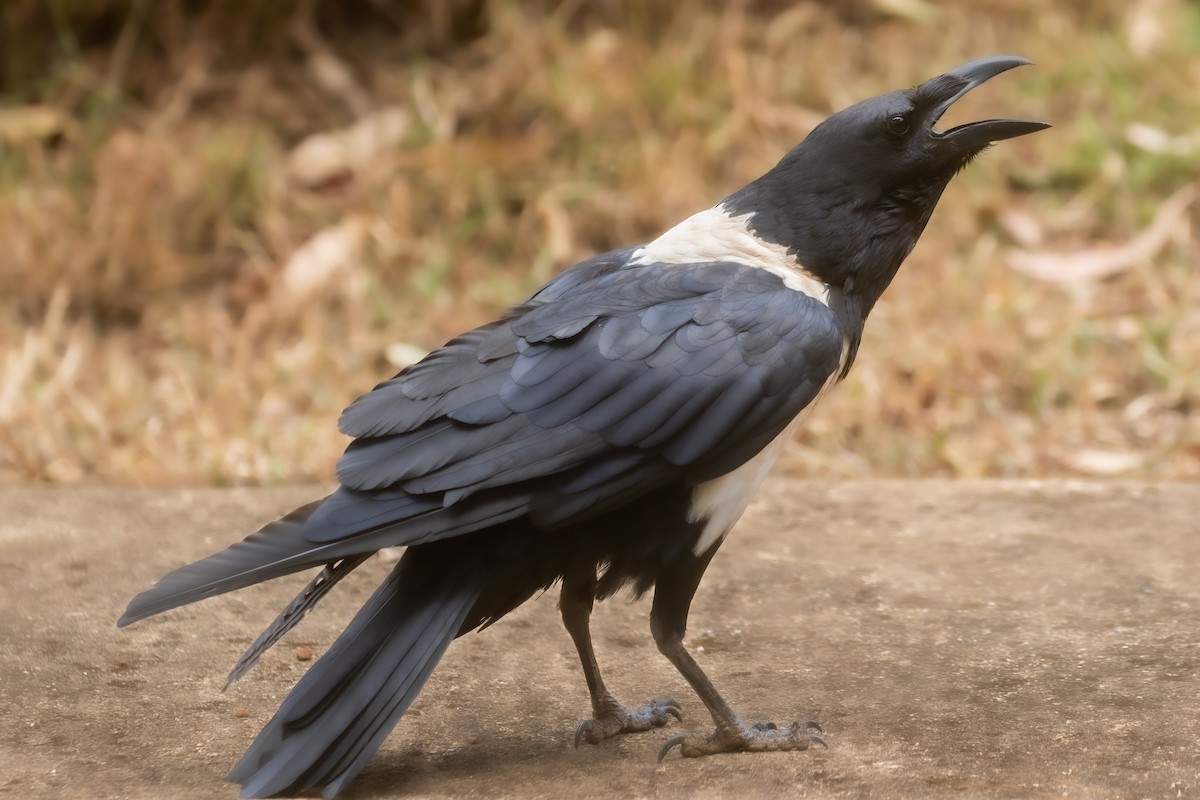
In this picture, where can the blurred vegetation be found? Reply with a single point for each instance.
(192, 286)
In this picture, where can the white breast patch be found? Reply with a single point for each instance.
(720, 502)
(715, 235)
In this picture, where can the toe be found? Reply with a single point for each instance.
(580, 730)
(662, 708)
(669, 744)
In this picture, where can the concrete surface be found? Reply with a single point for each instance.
(955, 639)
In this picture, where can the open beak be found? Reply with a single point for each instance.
(947, 89)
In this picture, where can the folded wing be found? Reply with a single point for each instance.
(610, 382)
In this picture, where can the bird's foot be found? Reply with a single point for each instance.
(617, 719)
(759, 738)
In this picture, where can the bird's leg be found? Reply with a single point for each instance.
(668, 622)
(609, 717)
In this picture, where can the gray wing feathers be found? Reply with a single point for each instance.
(665, 360)
(448, 376)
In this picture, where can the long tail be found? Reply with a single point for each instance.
(269, 553)
(345, 525)
(346, 704)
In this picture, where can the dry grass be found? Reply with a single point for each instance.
(156, 327)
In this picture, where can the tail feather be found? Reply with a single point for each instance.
(364, 736)
(346, 704)
(343, 525)
(269, 553)
(291, 616)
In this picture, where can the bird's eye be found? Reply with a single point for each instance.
(897, 124)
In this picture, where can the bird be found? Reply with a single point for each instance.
(604, 434)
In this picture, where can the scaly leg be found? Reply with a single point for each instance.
(609, 717)
(668, 622)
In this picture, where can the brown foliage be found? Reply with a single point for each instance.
(179, 305)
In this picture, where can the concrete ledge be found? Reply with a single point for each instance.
(955, 639)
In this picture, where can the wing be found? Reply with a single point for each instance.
(585, 398)
(611, 381)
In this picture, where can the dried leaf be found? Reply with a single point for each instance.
(28, 124)
(919, 12)
(401, 354)
(1157, 141)
(1105, 462)
(1025, 228)
(1088, 265)
(332, 253)
(324, 157)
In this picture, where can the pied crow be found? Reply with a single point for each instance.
(607, 432)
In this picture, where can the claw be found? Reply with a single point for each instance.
(760, 737)
(674, 741)
(618, 719)
(809, 725)
(580, 730)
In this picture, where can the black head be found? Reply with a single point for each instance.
(851, 200)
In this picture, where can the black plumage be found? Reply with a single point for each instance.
(607, 432)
